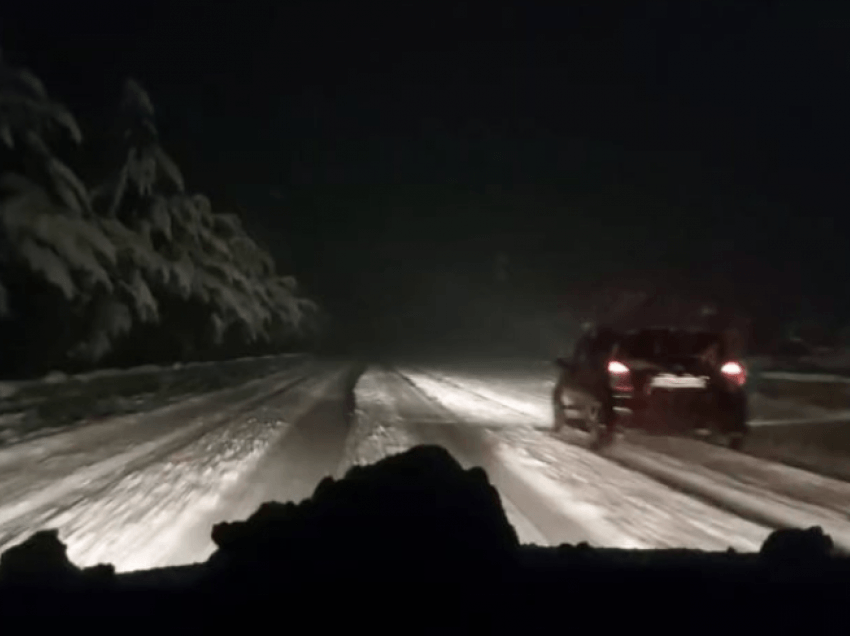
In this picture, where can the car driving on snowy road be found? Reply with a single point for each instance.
(658, 380)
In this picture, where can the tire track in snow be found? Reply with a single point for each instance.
(536, 414)
(548, 507)
(58, 503)
(269, 476)
(638, 510)
(387, 424)
(758, 502)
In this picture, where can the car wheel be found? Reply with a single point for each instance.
(595, 425)
(560, 418)
(591, 416)
(715, 435)
(722, 436)
(581, 422)
(736, 440)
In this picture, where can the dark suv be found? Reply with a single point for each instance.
(658, 380)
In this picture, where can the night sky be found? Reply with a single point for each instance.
(374, 146)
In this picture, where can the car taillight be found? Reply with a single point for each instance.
(734, 372)
(620, 376)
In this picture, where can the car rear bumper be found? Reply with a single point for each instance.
(680, 408)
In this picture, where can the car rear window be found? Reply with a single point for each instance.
(650, 343)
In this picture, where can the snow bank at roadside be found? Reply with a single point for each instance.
(34, 409)
(11, 387)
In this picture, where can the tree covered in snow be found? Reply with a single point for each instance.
(45, 206)
(52, 247)
(209, 275)
(139, 259)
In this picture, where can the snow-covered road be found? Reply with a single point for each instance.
(129, 490)
(143, 491)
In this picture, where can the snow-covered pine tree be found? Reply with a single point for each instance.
(50, 235)
(211, 282)
(138, 254)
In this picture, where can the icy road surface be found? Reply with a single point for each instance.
(143, 491)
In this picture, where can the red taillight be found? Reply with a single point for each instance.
(621, 378)
(734, 372)
(617, 367)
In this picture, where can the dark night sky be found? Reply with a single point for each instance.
(405, 136)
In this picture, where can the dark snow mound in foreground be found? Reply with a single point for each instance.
(415, 512)
(418, 534)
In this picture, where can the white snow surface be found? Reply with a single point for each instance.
(614, 506)
(380, 431)
(735, 491)
(143, 490)
(479, 405)
(119, 492)
(772, 493)
(224, 491)
(379, 428)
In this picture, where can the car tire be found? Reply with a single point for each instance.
(594, 423)
(560, 419)
(738, 429)
(581, 423)
(716, 434)
(729, 426)
(736, 440)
